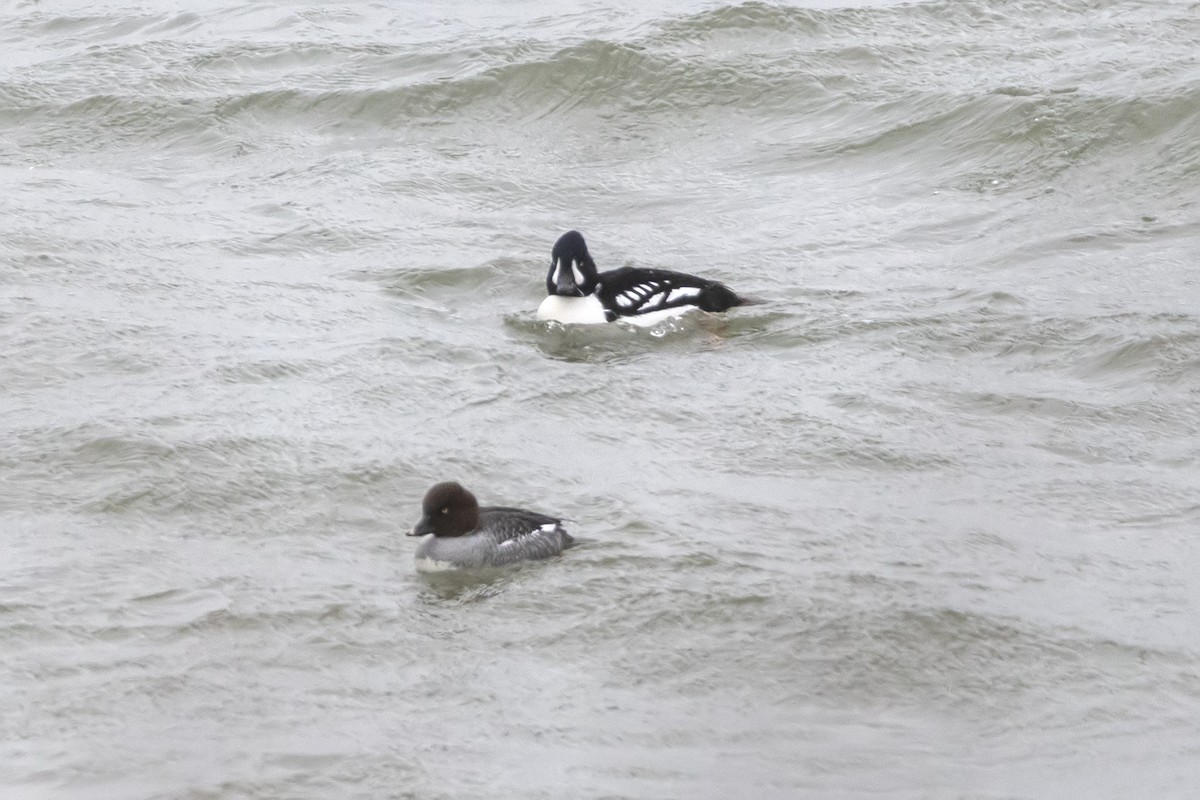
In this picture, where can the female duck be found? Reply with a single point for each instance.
(461, 535)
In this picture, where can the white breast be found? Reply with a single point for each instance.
(572, 310)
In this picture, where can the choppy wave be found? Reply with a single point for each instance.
(888, 83)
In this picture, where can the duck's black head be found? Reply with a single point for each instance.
(572, 271)
(447, 510)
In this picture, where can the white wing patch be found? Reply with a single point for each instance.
(682, 292)
(646, 295)
(519, 539)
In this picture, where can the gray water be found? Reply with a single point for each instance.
(925, 524)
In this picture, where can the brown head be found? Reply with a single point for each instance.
(447, 510)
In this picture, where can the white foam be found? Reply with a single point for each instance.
(433, 565)
(651, 318)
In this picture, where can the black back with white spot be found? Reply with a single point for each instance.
(629, 291)
(530, 534)
(508, 523)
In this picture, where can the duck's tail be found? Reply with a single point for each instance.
(719, 297)
(750, 300)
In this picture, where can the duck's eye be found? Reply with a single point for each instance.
(446, 510)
